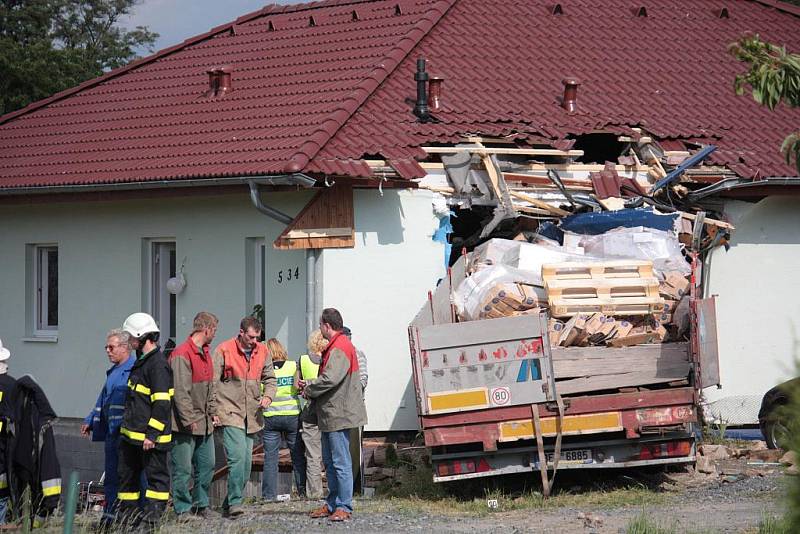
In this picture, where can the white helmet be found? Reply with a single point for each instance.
(139, 324)
(4, 352)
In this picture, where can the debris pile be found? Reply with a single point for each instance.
(603, 248)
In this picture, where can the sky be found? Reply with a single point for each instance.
(176, 20)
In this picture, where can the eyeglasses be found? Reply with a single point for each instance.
(111, 347)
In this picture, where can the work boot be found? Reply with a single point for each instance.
(340, 515)
(234, 510)
(205, 513)
(322, 511)
(153, 516)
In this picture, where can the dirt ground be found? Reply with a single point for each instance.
(680, 501)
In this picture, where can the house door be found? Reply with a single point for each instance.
(162, 302)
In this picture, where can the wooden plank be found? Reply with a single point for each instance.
(708, 221)
(507, 151)
(669, 350)
(539, 204)
(595, 367)
(533, 211)
(597, 383)
(318, 232)
(633, 339)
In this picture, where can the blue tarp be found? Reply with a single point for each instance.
(440, 235)
(596, 223)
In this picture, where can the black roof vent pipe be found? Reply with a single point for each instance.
(421, 109)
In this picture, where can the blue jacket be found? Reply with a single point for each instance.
(106, 417)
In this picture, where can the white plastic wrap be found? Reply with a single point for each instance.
(491, 252)
(662, 248)
(472, 292)
(530, 257)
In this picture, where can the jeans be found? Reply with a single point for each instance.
(190, 452)
(338, 467)
(3, 509)
(239, 452)
(274, 427)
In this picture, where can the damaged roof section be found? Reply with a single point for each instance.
(271, 93)
(505, 68)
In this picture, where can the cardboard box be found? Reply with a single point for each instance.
(679, 282)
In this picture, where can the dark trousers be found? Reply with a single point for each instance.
(133, 462)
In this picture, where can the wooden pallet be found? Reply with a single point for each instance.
(617, 307)
(605, 269)
(611, 288)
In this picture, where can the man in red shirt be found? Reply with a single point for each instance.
(194, 417)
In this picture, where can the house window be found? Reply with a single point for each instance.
(45, 298)
(260, 268)
(255, 275)
(163, 304)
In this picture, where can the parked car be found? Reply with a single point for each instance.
(773, 417)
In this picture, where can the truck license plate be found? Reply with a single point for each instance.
(576, 456)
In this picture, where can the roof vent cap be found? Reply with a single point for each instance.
(570, 99)
(219, 81)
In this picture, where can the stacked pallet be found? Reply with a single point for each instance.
(618, 304)
(610, 288)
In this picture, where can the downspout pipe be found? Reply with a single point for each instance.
(311, 290)
(311, 263)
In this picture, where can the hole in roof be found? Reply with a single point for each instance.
(311, 21)
(557, 10)
(398, 10)
(598, 147)
(641, 11)
(354, 15)
(723, 13)
(271, 27)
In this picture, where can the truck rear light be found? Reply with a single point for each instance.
(457, 467)
(666, 450)
(483, 466)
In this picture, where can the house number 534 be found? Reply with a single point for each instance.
(287, 275)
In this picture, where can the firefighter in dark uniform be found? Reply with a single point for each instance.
(145, 433)
(7, 387)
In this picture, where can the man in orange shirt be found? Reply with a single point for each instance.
(245, 386)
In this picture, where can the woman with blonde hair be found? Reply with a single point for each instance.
(282, 418)
(311, 437)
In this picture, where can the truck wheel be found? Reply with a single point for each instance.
(776, 434)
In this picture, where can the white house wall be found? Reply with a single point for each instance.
(379, 286)
(757, 287)
(100, 278)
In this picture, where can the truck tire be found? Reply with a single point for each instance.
(774, 429)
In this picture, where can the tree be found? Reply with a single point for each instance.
(47, 46)
(773, 77)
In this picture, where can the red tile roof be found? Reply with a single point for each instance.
(319, 87)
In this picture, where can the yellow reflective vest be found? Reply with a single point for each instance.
(308, 369)
(286, 401)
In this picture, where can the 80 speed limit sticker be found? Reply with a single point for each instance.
(500, 396)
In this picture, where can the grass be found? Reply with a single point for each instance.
(415, 492)
(644, 524)
(771, 524)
